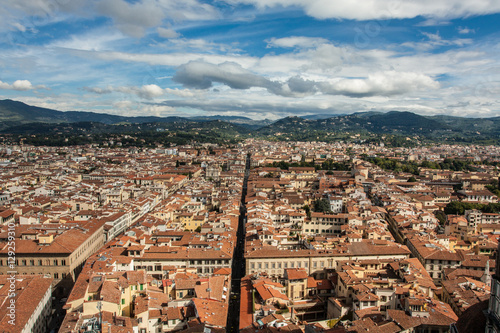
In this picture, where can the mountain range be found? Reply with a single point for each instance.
(14, 113)
(20, 118)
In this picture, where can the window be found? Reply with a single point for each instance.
(123, 301)
(55, 262)
(56, 275)
(39, 262)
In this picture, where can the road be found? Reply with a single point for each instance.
(238, 268)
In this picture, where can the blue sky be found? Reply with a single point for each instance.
(255, 58)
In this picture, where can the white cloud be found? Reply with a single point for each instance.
(465, 30)
(135, 18)
(171, 59)
(98, 90)
(135, 109)
(435, 40)
(20, 85)
(296, 41)
(383, 9)
(94, 40)
(158, 110)
(132, 18)
(167, 33)
(180, 92)
(19, 26)
(149, 91)
(382, 83)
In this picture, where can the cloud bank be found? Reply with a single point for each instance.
(203, 75)
(382, 9)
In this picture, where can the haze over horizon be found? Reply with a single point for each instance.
(254, 58)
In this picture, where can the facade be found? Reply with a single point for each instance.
(493, 313)
(58, 253)
(274, 262)
(325, 223)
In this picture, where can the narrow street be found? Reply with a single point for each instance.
(238, 269)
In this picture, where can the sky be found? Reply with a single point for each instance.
(254, 58)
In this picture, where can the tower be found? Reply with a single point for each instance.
(486, 278)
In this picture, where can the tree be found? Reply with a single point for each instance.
(321, 206)
(412, 179)
(441, 216)
(307, 210)
(455, 207)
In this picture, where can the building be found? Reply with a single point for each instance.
(274, 262)
(58, 251)
(26, 303)
(493, 312)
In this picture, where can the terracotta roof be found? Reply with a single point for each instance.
(296, 274)
(211, 312)
(29, 292)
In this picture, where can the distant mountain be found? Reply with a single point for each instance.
(321, 116)
(251, 123)
(405, 122)
(13, 113)
(370, 124)
(21, 119)
(16, 113)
